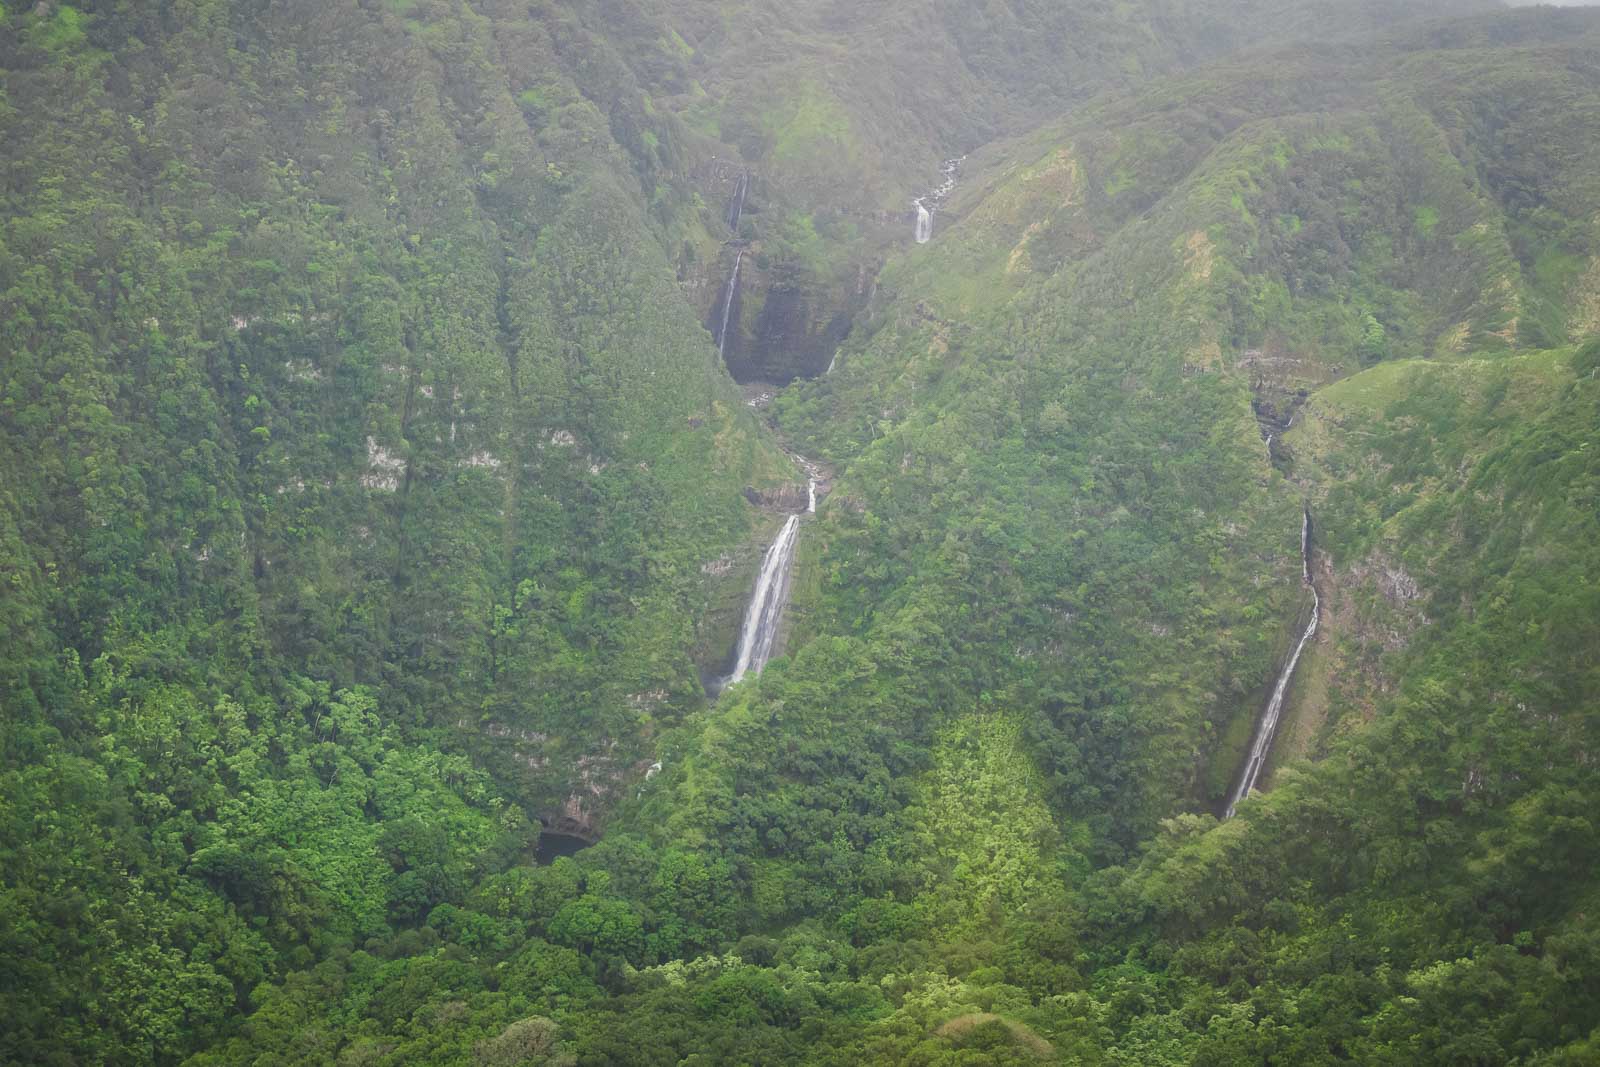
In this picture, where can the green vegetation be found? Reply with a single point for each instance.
(371, 494)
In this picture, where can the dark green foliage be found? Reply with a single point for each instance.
(322, 361)
(366, 477)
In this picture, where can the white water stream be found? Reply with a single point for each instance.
(763, 616)
(1261, 746)
(928, 203)
(727, 305)
(736, 208)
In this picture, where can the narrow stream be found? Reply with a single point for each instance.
(727, 306)
(736, 206)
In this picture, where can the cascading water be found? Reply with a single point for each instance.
(761, 619)
(929, 202)
(1277, 431)
(1262, 744)
(764, 614)
(727, 305)
(736, 207)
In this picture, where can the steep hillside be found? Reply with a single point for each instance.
(1096, 333)
(1424, 894)
(356, 436)
(373, 491)
(824, 120)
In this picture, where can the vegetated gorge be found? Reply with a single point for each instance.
(602, 532)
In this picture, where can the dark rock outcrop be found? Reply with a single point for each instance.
(784, 498)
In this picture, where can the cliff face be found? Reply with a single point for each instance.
(785, 323)
(796, 292)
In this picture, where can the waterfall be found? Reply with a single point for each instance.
(1262, 744)
(736, 208)
(727, 305)
(927, 203)
(771, 596)
(764, 614)
(1275, 431)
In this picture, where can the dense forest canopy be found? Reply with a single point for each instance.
(379, 512)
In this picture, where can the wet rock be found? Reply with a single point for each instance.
(785, 498)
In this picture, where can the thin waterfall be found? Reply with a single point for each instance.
(763, 616)
(736, 208)
(924, 223)
(1276, 432)
(1262, 744)
(727, 305)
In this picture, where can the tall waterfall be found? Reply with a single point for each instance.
(764, 614)
(1268, 726)
(727, 304)
(924, 223)
(736, 208)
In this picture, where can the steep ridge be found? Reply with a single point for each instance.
(1461, 706)
(368, 478)
(842, 115)
(348, 402)
(1163, 268)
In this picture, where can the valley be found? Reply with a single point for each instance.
(678, 534)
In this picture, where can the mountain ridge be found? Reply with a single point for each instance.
(374, 494)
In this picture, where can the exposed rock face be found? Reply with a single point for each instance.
(784, 324)
(787, 498)
(575, 818)
(797, 332)
(598, 783)
(1397, 586)
(1372, 608)
(1280, 381)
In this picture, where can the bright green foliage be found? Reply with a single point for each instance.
(367, 482)
(352, 425)
(982, 830)
(1420, 895)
